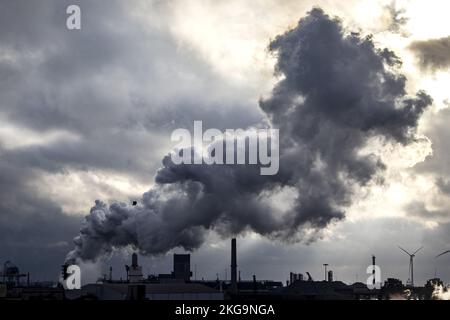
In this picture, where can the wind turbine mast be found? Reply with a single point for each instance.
(411, 264)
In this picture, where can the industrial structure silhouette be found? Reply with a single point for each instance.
(179, 285)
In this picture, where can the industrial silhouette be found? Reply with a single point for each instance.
(179, 285)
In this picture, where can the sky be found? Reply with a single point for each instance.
(87, 115)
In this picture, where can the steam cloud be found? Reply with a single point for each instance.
(433, 54)
(337, 90)
(441, 293)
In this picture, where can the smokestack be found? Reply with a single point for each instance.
(134, 260)
(233, 288)
(330, 276)
(373, 270)
(325, 266)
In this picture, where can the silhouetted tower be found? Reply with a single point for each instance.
(373, 270)
(330, 276)
(325, 266)
(233, 287)
(134, 260)
(182, 266)
(134, 273)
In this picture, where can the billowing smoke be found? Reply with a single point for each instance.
(336, 91)
(441, 292)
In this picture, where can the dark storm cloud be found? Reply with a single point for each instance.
(336, 92)
(109, 84)
(34, 233)
(348, 94)
(117, 87)
(433, 54)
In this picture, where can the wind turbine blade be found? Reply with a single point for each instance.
(448, 251)
(418, 250)
(405, 251)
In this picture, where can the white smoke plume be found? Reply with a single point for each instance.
(441, 292)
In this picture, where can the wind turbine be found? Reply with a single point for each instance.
(411, 264)
(448, 251)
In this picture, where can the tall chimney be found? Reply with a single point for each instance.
(373, 270)
(134, 260)
(233, 287)
(330, 276)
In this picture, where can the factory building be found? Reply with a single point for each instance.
(147, 291)
(182, 267)
(174, 286)
(293, 277)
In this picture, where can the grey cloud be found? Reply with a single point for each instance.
(130, 152)
(117, 85)
(347, 97)
(337, 91)
(436, 167)
(419, 209)
(93, 76)
(443, 185)
(114, 74)
(437, 240)
(433, 54)
(34, 232)
(395, 17)
(438, 133)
